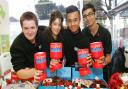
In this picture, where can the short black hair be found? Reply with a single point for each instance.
(87, 6)
(71, 9)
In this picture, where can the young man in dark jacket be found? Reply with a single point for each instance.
(73, 38)
(28, 42)
(97, 33)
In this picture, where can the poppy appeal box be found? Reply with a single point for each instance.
(69, 78)
(57, 80)
(88, 81)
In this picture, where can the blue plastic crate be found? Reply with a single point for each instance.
(51, 87)
(91, 88)
(47, 87)
(60, 87)
(64, 73)
(95, 73)
(50, 74)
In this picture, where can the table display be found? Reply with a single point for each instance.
(69, 78)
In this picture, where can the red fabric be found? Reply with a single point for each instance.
(115, 82)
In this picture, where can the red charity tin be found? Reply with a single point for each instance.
(84, 71)
(42, 77)
(55, 50)
(96, 50)
(14, 77)
(56, 67)
(40, 60)
(82, 56)
(98, 65)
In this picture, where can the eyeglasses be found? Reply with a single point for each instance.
(90, 14)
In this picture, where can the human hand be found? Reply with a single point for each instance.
(89, 60)
(55, 65)
(53, 62)
(39, 76)
(101, 60)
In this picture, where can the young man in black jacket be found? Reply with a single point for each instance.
(28, 42)
(94, 32)
(73, 38)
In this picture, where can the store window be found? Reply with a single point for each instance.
(120, 28)
(42, 8)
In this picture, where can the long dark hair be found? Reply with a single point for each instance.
(54, 15)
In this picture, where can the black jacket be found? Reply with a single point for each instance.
(48, 38)
(70, 42)
(22, 51)
(102, 35)
(118, 61)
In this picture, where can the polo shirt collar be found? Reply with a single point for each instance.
(97, 33)
(79, 31)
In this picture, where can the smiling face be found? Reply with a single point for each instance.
(29, 29)
(73, 21)
(29, 24)
(89, 17)
(56, 27)
(55, 23)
